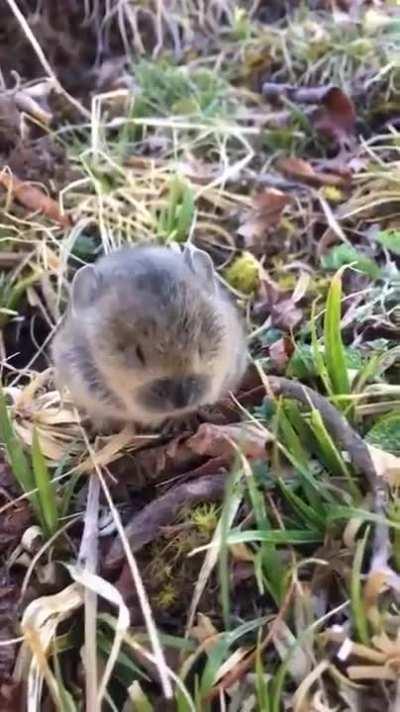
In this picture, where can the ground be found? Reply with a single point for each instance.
(250, 559)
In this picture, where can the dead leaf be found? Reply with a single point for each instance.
(31, 197)
(279, 305)
(303, 171)
(221, 440)
(27, 101)
(285, 315)
(280, 352)
(241, 571)
(241, 552)
(371, 672)
(385, 653)
(386, 465)
(377, 582)
(264, 216)
(152, 464)
(336, 118)
(204, 632)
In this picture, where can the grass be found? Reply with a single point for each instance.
(280, 598)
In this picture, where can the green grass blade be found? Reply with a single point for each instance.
(339, 512)
(261, 683)
(394, 514)
(46, 489)
(309, 515)
(223, 559)
(330, 455)
(286, 536)
(185, 214)
(294, 445)
(16, 457)
(333, 344)
(139, 699)
(270, 561)
(292, 441)
(219, 652)
(319, 362)
(309, 483)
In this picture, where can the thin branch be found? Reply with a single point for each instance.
(145, 526)
(342, 432)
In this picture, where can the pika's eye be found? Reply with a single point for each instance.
(140, 355)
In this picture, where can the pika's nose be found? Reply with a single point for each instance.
(177, 392)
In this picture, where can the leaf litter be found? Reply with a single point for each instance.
(273, 518)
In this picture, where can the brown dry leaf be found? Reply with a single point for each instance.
(285, 315)
(280, 352)
(26, 100)
(231, 663)
(302, 170)
(31, 197)
(152, 464)
(241, 552)
(371, 672)
(279, 305)
(337, 117)
(390, 647)
(386, 465)
(263, 218)
(385, 654)
(302, 698)
(222, 440)
(241, 571)
(376, 582)
(204, 632)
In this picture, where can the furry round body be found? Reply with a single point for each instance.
(148, 335)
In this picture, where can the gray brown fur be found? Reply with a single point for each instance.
(149, 335)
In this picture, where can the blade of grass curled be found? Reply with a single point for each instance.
(333, 345)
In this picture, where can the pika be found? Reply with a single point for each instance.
(149, 335)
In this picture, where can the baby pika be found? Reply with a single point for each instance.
(148, 335)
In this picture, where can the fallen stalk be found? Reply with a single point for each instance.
(145, 526)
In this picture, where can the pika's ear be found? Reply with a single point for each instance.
(85, 287)
(201, 264)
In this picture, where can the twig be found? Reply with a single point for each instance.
(301, 95)
(145, 526)
(338, 427)
(349, 440)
